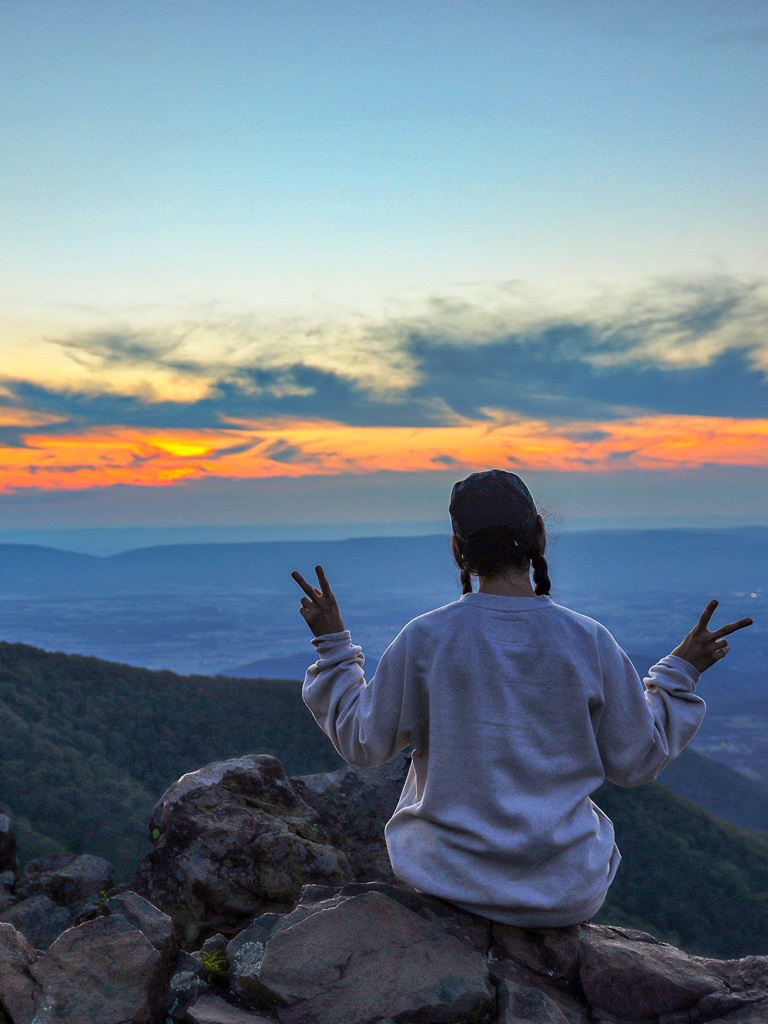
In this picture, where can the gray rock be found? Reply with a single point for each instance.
(189, 980)
(213, 1010)
(360, 958)
(67, 880)
(551, 953)
(634, 977)
(231, 841)
(39, 920)
(102, 972)
(473, 931)
(153, 923)
(518, 1005)
(17, 986)
(354, 805)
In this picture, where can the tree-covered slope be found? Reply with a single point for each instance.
(88, 746)
(686, 876)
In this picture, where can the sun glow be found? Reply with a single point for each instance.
(123, 455)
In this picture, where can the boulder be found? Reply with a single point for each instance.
(213, 1010)
(151, 922)
(102, 972)
(635, 977)
(189, 980)
(353, 805)
(231, 841)
(39, 920)
(518, 1004)
(67, 879)
(17, 986)
(359, 958)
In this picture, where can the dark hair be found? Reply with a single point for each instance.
(496, 549)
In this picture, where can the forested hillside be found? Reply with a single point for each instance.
(88, 746)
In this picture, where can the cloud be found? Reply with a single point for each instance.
(695, 348)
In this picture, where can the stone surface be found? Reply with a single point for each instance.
(552, 953)
(231, 841)
(102, 972)
(473, 931)
(521, 1005)
(67, 880)
(360, 958)
(188, 981)
(354, 805)
(153, 923)
(39, 919)
(632, 976)
(17, 986)
(213, 1010)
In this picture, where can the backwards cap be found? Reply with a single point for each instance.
(493, 498)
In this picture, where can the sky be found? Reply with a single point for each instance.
(291, 264)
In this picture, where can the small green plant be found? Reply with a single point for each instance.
(155, 834)
(215, 962)
(101, 903)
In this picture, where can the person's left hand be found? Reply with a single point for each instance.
(702, 647)
(319, 609)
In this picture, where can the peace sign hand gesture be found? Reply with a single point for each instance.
(703, 648)
(319, 609)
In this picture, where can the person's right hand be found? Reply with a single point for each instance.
(319, 609)
(702, 647)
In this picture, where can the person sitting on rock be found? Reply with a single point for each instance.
(516, 708)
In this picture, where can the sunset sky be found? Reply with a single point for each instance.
(309, 262)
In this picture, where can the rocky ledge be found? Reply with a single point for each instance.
(265, 898)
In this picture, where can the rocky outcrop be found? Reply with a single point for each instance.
(325, 947)
(231, 841)
(51, 893)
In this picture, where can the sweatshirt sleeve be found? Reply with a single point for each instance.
(367, 722)
(644, 726)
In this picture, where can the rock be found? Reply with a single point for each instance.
(354, 805)
(473, 931)
(360, 958)
(189, 980)
(67, 880)
(634, 977)
(213, 1010)
(231, 841)
(102, 972)
(552, 953)
(17, 986)
(518, 1005)
(153, 923)
(8, 860)
(39, 920)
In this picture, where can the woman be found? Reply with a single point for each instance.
(517, 709)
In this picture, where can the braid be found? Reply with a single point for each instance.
(541, 581)
(466, 578)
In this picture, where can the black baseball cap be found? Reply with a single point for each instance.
(493, 498)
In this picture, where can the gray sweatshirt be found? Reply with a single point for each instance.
(517, 709)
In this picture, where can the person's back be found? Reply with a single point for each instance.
(516, 709)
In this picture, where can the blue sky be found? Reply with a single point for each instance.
(253, 217)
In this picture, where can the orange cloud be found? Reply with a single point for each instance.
(122, 455)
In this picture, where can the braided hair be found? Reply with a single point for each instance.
(497, 549)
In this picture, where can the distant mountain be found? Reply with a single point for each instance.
(88, 746)
(649, 560)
